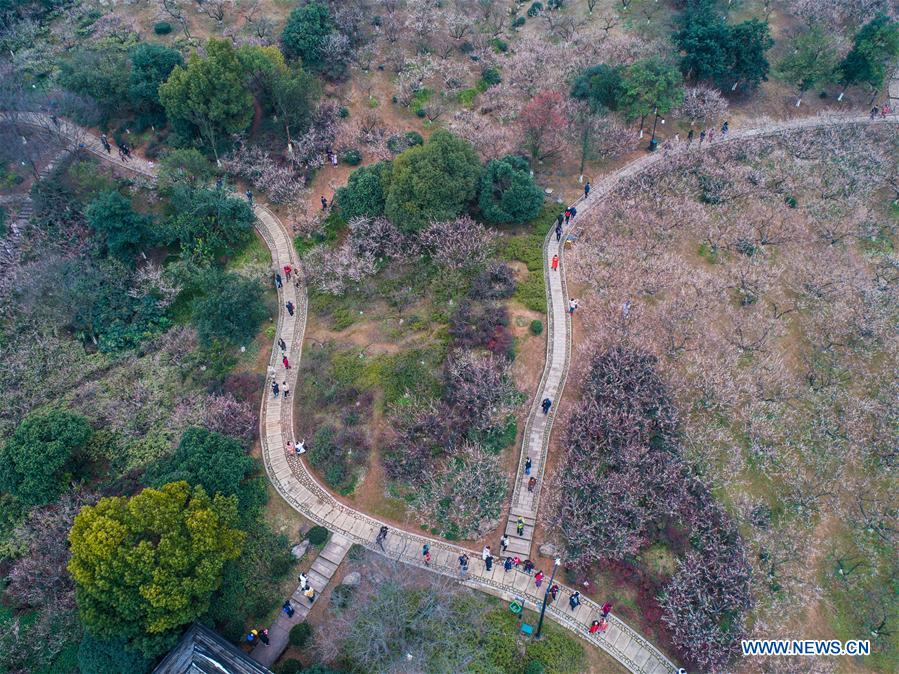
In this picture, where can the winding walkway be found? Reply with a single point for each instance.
(304, 493)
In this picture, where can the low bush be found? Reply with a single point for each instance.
(162, 28)
(531, 292)
(526, 248)
(537, 327)
(317, 535)
(352, 157)
(344, 112)
(414, 138)
(341, 596)
(535, 9)
(490, 76)
(518, 22)
(300, 634)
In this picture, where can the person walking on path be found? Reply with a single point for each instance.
(504, 543)
(382, 536)
(559, 231)
(587, 190)
(710, 136)
(289, 306)
(527, 466)
(250, 197)
(310, 594)
(690, 138)
(286, 363)
(603, 626)
(485, 553)
(874, 112)
(287, 270)
(301, 446)
(219, 183)
(288, 609)
(538, 578)
(285, 388)
(282, 345)
(567, 215)
(546, 404)
(106, 145)
(528, 566)
(606, 609)
(278, 282)
(489, 562)
(555, 263)
(304, 581)
(275, 389)
(574, 600)
(725, 128)
(594, 627)
(324, 203)
(263, 637)
(251, 637)
(560, 220)
(701, 137)
(532, 483)
(426, 554)
(519, 526)
(463, 565)
(507, 565)
(554, 591)
(572, 305)
(573, 212)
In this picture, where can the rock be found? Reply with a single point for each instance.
(549, 550)
(352, 579)
(548, 190)
(300, 549)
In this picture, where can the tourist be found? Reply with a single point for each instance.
(555, 263)
(301, 447)
(282, 345)
(288, 609)
(426, 554)
(289, 446)
(485, 553)
(519, 526)
(250, 197)
(874, 112)
(289, 306)
(606, 609)
(559, 221)
(382, 536)
(507, 565)
(538, 579)
(603, 626)
(567, 215)
(287, 270)
(278, 283)
(263, 637)
(504, 543)
(528, 566)
(304, 581)
(324, 203)
(489, 562)
(573, 211)
(310, 594)
(724, 129)
(572, 305)
(275, 388)
(594, 627)
(701, 137)
(532, 483)
(546, 404)
(251, 637)
(463, 564)
(106, 145)
(285, 388)
(689, 143)
(559, 231)
(587, 190)
(286, 363)
(527, 466)
(574, 600)
(554, 591)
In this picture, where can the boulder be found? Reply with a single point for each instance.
(352, 579)
(549, 550)
(299, 549)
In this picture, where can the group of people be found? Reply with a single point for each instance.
(122, 147)
(254, 636)
(705, 135)
(883, 111)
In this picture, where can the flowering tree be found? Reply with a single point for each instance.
(543, 122)
(458, 244)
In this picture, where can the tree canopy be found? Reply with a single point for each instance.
(146, 565)
(231, 311)
(210, 94)
(432, 182)
(601, 86)
(874, 46)
(151, 64)
(124, 230)
(306, 33)
(37, 459)
(99, 72)
(365, 193)
(508, 191)
(812, 61)
(209, 222)
(714, 51)
(218, 464)
(651, 84)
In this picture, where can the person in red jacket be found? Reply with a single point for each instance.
(555, 263)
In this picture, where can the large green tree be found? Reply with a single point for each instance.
(38, 459)
(208, 222)
(365, 193)
(435, 181)
(508, 191)
(218, 464)
(652, 85)
(231, 311)
(306, 33)
(151, 65)
(210, 95)
(99, 72)
(145, 566)
(812, 61)
(874, 47)
(714, 51)
(124, 230)
(601, 86)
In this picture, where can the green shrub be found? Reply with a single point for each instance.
(508, 192)
(352, 157)
(162, 28)
(341, 596)
(232, 311)
(499, 45)
(317, 535)
(414, 138)
(535, 9)
(557, 652)
(536, 326)
(491, 76)
(497, 439)
(291, 666)
(467, 96)
(534, 667)
(519, 22)
(344, 112)
(526, 248)
(366, 191)
(300, 634)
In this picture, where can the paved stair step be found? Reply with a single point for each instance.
(526, 515)
(520, 547)
(334, 554)
(319, 582)
(324, 567)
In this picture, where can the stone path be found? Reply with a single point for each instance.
(323, 568)
(297, 485)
